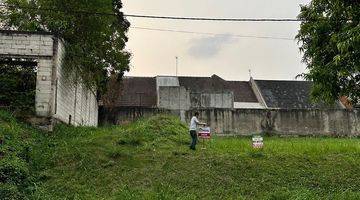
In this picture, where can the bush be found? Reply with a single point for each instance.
(153, 129)
(9, 192)
(13, 170)
(15, 142)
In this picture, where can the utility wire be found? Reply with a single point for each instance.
(213, 34)
(173, 18)
(162, 17)
(217, 19)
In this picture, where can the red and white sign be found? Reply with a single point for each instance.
(204, 133)
(257, 142)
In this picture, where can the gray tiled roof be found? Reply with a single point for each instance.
(138, 92)
(288, 94)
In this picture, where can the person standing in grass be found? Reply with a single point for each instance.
(193, 127)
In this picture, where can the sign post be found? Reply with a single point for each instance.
(205, 134)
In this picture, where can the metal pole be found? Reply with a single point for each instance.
(177, 62)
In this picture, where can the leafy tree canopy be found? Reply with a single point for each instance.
(330, 40)
(94, 32)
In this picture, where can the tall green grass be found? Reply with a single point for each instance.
(150, 159)
(16, 181)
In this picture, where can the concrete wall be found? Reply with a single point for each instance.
(165, 81)
(226, 122)
(212, 100)
(178, 98)
(283, 122)
(26, 44)
(174, 98)
(20, 45)
(55, 96)
(247, 105)
(124, 115)
(75, 104)
(44, 88)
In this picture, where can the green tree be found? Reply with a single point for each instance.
(94, 32)
(330, 40)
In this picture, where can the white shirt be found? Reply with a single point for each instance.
(193, 123)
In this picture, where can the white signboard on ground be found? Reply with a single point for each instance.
(257, 142)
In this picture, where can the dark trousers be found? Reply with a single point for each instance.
(193, 139)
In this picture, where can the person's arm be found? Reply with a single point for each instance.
(200, 123)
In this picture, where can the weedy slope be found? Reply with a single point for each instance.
(150, 159)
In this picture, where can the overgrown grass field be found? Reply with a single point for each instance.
(150, 159)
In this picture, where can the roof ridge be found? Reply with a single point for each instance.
(281, 80)
(138, 77)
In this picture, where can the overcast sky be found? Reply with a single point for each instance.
(225, 55)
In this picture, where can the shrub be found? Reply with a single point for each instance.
(15, 142)
(153, 129)
(9, 192)
(13, 170)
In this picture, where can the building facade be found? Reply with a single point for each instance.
(186, 93)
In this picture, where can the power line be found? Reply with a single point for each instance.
(55, 10)
(213, 34)
(162, 17)
(216, 19)
(173, 18)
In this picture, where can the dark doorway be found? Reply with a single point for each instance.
(18, 85)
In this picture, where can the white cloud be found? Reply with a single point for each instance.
(206, 47)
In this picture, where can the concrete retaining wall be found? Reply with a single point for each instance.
(251, 121)
(283, 122)
(124, 115)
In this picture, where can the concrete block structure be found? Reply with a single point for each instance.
(57, 97)
(235, 107)
(224, 99)
(173, 98)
